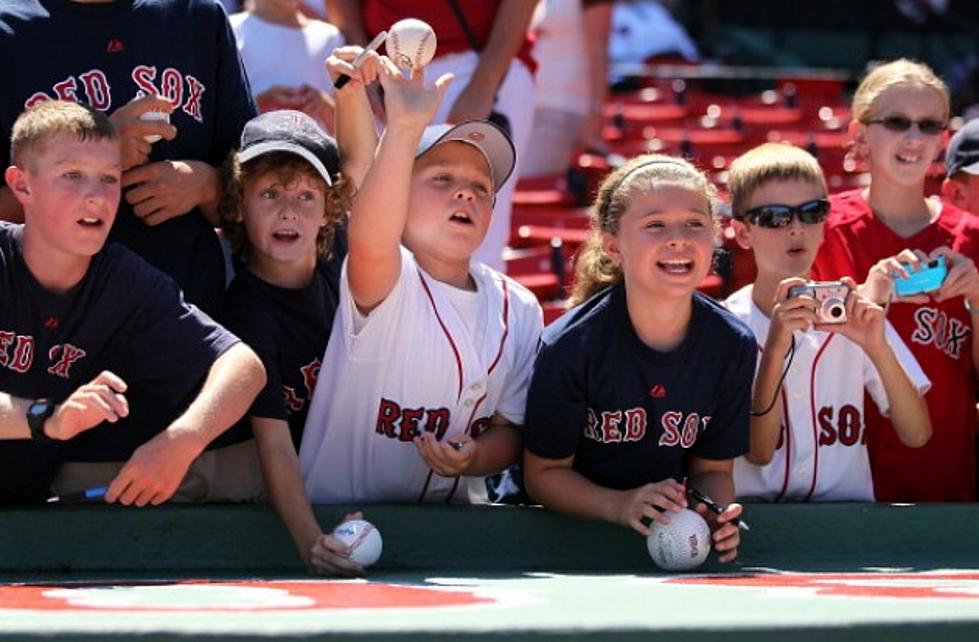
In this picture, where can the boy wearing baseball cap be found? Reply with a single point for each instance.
(424, 378)
(102, 364)
(961, 184)
(284, 210)
(807, 440)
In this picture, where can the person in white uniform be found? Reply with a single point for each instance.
(425, 375)
(808, 441)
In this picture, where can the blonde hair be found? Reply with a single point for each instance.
(594, 268)
(770, 162)
(42, 122)
(287, 168)
(892, 74)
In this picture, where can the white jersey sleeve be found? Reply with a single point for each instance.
(912, 369)
(528, 322)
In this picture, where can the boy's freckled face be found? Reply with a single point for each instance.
(73, 193)
(787, 251)
(283, 220)
(450, 203)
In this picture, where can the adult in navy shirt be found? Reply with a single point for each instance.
(107, 54)
(647, 382)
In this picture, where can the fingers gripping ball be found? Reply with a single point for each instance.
(154, 115)
(682, 545)
(363, 539)
(410, 43)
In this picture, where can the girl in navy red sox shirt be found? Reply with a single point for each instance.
(645, 382)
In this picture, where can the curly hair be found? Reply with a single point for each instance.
(594, 269)
(287, 168)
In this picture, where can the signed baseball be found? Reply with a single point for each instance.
(410, 43)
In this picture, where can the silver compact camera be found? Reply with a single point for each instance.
(830, 299)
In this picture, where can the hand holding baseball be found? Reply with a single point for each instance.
(410, 102)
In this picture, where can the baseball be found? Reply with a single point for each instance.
(363, 539)
(410, 43)
(682, 545)
(154, 115)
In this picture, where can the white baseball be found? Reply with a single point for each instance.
(683, 544)
(363, 539)
(410, 43)
(154, 115)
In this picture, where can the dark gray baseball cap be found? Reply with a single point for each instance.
(489, 139)
(287, 130)
(962, 154)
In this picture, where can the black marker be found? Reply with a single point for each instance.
(712, 505)
(361, 57)
(89, 495)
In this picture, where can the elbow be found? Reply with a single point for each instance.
(250, 368)
(760, 457)
(918, 437)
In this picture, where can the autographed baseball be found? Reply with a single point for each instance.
(154, 115)
(410, 43)
(363, 539)
(681, 545)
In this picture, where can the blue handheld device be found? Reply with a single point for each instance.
(928, 279)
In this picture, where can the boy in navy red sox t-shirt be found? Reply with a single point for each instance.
(94, 340)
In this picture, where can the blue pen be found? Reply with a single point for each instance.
(89, 495)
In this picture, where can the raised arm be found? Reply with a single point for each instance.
(354, 121)
(381, 207)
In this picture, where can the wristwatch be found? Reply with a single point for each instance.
(37, 413)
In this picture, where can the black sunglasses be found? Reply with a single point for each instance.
(927, 126)
(776, 216)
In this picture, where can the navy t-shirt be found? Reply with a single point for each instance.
(288, 329)
(105, 54)
(629, 414)
(124, 316)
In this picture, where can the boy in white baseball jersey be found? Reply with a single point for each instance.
(807, 427)
(425, 375)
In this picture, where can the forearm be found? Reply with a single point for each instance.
(13, 417)
(507, 36)
(567, 491)
(232, 383)
(763, 438)
(286, 492)
(908, 410)
(499, 447)
(597, 21)
(355, 130)
(717, 485)
(345, 14)
(208, 194)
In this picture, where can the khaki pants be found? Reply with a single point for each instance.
(222, 475)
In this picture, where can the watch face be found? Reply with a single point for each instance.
(40, 408)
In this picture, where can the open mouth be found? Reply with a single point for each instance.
(676, 266)
(91, 222)
(909, 158)
(461, 217)
(285, 235)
